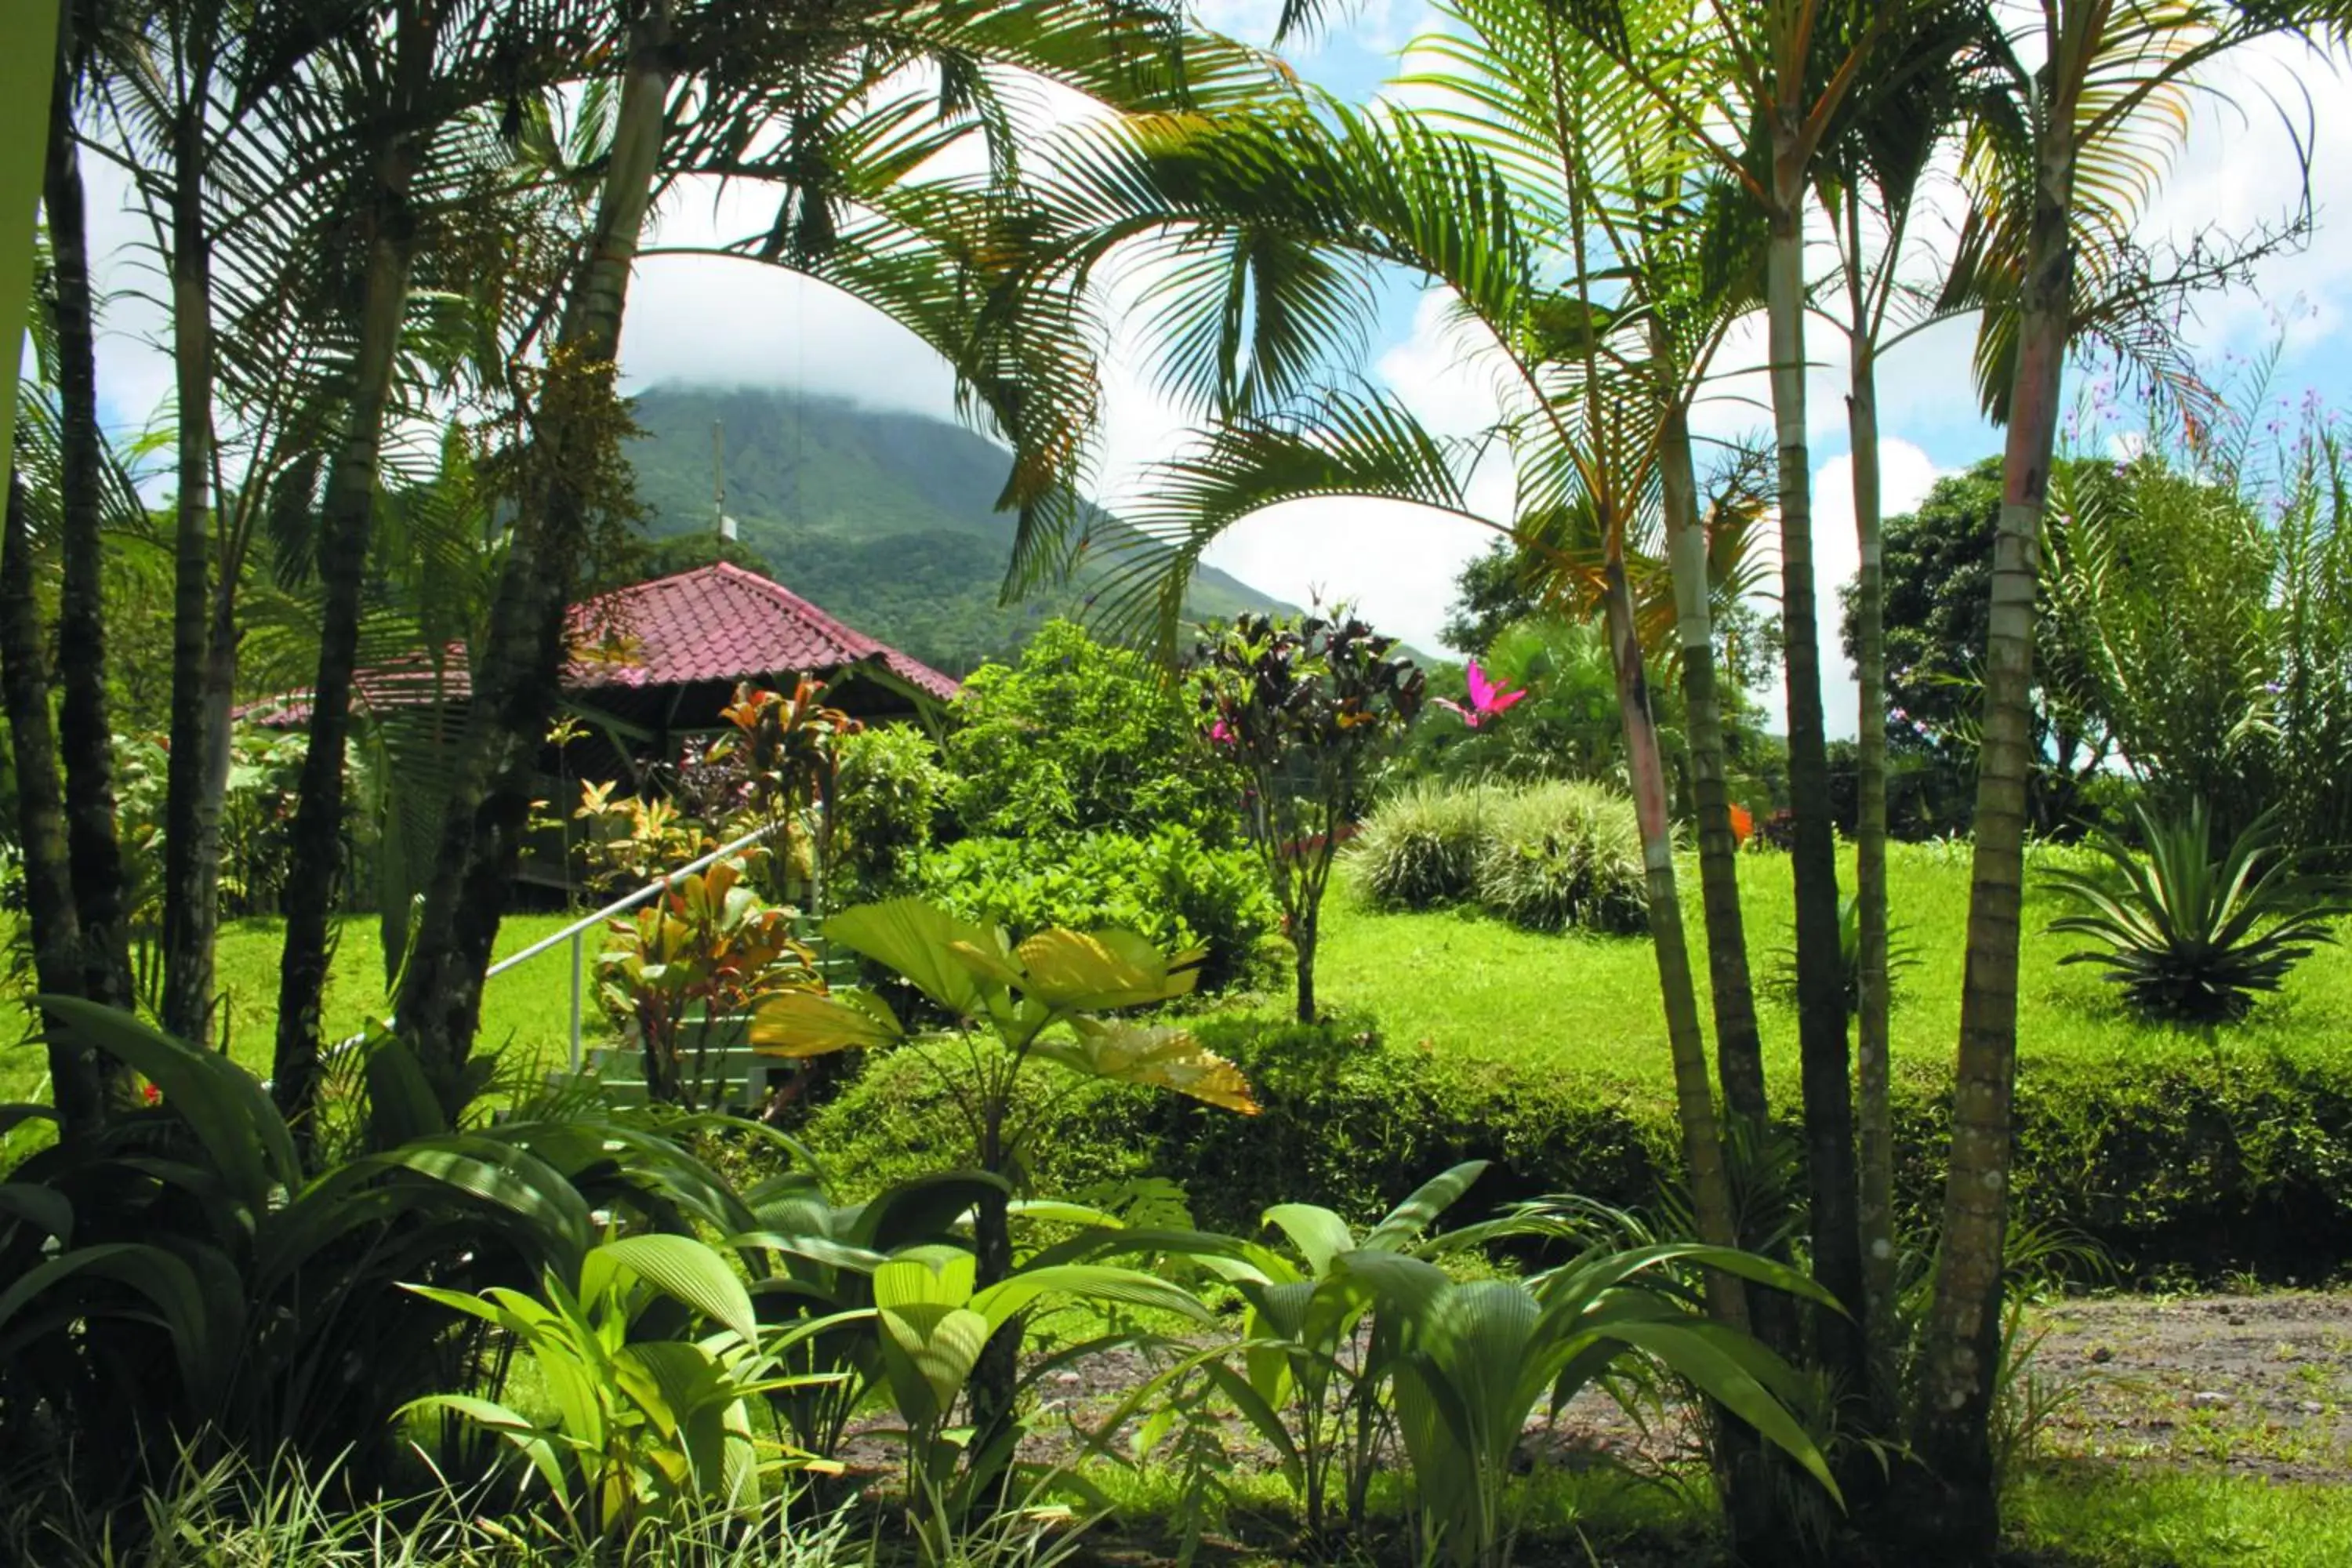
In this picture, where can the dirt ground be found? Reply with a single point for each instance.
(2252, 1384)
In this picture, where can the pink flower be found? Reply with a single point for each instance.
(1223, 733)
(1486, 698)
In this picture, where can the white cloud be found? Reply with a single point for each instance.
(1905, 475)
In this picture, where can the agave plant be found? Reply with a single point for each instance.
(2192, 939)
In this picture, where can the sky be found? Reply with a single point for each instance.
(700, 318)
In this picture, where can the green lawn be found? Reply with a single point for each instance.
(528, 1007)
(1464, 986)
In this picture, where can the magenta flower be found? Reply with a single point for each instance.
(1486, 698)
(1222, 733)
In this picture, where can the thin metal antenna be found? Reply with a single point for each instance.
(718, 479)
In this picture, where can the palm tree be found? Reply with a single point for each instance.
(2079, 150)
(727, 91)
(1869, 183)
(85, 731)
(1267, 220)
(408, 133)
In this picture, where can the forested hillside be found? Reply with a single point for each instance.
(885, 519)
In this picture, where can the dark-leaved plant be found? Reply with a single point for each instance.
(1306, 707)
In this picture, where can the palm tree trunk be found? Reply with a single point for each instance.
(1963, 1332)
(314, 873)
(1738, 1045)
(84, 733)
(1876, 1115)
(517, 673)
(1821, 980)
(191, 874)
(78, 1084)
(1685, 1039)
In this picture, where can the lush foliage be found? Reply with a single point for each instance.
(1165, 888)
(1081, 736)
(886, 805)
(2190, 939)
(653, 1419)
(182, 1287)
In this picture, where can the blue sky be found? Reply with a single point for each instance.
(701, 318)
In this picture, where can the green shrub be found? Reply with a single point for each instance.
(2185, 1166)
(1086, 738)
(1420, 846)
(1166, 887)
(1562, 853)
(886, 805)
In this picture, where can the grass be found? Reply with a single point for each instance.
(1464, 986)
(528, 1008)
(2104, 1516)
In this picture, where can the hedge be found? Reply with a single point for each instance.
(2180, 1167)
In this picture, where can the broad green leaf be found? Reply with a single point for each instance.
(45, 1208)
(1691, 1350)
(1406, 1222)
(1101, 971)
(803, 1024)
(913, 938)
(924, 1275)
(683, 1269)
(1092, 1281)
(219, 1101)
(1319, 1235)
(1155, 1055)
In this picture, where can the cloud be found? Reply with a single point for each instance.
(1906, 473)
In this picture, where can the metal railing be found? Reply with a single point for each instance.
(579, 928)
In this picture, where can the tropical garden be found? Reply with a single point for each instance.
(1248, 1091)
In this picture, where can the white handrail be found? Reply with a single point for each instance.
(581, 926)
(623, 906)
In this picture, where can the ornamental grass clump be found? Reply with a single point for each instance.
(1421, 848)
(1562, 855)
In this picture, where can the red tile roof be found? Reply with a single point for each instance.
(721, 623)
(714, 623)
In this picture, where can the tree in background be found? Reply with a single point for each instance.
(1938, 564)
(1079, 737)
(1306, 709)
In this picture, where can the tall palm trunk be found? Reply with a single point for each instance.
(191, 815)
(1821, 981)
(314, 873)
(1685, 1039)
(1876, 1114)
(517, 670)
(1738, 1046)
(84, 733)
(1963, 1346)
(78, 1086)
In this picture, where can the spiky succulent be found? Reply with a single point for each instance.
(2192, 939)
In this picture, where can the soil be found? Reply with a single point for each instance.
(2258, 1386)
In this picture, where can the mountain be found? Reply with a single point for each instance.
(885, 519)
